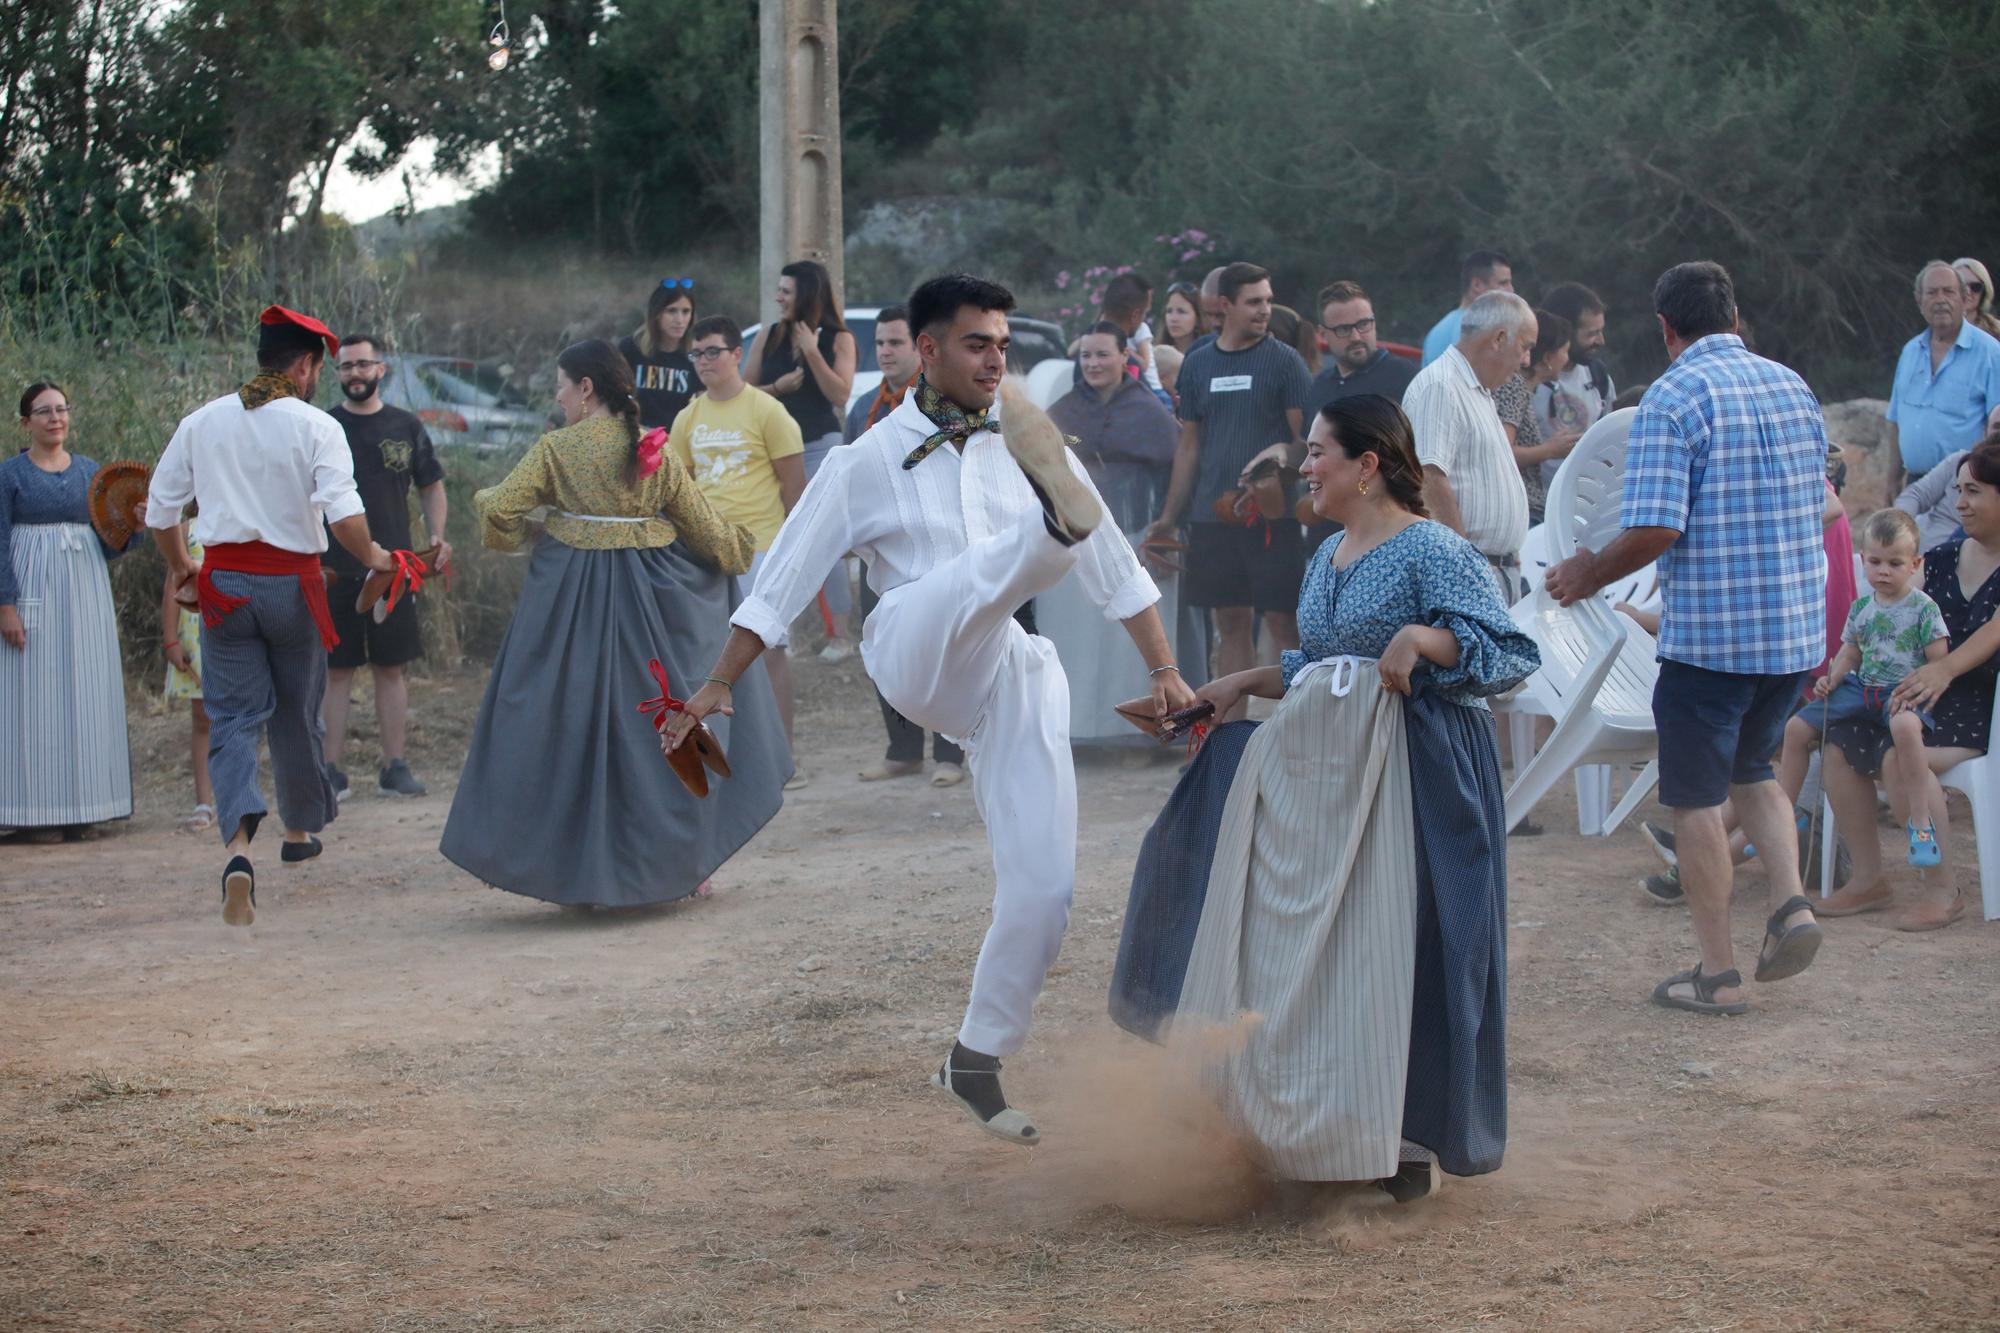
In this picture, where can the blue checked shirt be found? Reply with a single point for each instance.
(1729, 450)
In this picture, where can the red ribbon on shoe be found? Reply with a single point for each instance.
(652, 447)
(410, 571)
(666, 703)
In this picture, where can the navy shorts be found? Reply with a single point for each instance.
(1718, 729)
(1260, 567)
(1851, 701)
(397, 641)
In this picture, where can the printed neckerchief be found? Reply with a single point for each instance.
(954, 423)
(268, 387)
(886, 401)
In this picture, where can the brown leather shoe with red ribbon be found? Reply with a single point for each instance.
(698, 750)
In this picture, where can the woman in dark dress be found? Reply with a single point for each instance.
(1963, 578)
(806, 359)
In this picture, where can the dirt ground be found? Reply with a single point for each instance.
(404, 1101)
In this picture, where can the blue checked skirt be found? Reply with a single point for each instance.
(1456, 1098)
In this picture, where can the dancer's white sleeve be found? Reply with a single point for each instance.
(1110, 570)
(816, 534)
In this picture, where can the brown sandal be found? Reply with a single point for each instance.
(1928, 915)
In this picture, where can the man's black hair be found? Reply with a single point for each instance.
(1116, 331)
(373, 340)
(937, 302)
(891, 314)
(278, 345)
(1480, 264)
(1235, 277)
(1696, 299)
(714, 326)
(1572, 300)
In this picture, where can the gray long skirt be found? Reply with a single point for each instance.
(565, 795)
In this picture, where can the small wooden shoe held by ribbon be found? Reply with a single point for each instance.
(698, 750)
(384, 588)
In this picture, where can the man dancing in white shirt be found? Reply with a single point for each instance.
(956, 540)
(264, 465)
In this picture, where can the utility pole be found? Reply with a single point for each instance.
(798, 74)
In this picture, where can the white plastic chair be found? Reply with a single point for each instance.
(1979, 779)
(1598, 667)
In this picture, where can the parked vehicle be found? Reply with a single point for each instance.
(462, 402)
(1034, 341)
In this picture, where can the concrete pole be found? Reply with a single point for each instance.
(799, 142)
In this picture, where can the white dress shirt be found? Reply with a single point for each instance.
(904, 523)
(1459, 433)
(276, 475)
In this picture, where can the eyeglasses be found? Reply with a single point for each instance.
(50, 413)
(671, 283)
(708, 353)
(344, 366)
(1359, 326)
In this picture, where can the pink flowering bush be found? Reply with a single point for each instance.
(1163, 261)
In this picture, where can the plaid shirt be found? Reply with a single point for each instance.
(1729, 450)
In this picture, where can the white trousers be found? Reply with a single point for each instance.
(947, 654)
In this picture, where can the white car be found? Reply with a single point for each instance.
(1035, 342)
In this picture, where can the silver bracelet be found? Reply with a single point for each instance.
(1168, 667)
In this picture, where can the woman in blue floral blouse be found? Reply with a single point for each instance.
(1342, 867)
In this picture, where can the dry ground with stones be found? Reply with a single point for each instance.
(403, 1101)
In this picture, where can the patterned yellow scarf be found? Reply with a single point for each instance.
(269, 386)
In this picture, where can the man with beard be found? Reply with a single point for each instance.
(1355, 362)
(391, 449)
(961, 518)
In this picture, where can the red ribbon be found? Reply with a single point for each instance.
(666, 703)
(410, 571)
(652, 447)
(262, 558)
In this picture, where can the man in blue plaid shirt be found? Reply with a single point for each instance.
(1724, 481)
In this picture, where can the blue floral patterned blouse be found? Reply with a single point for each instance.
(1424, 575)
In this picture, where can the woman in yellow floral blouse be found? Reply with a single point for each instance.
(565, 796)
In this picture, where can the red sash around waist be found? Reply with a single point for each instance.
(262, 558)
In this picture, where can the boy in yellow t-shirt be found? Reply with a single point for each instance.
(747, 456)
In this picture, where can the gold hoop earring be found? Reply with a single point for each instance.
(1362, 489)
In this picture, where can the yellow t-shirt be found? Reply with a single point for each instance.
(728, 449)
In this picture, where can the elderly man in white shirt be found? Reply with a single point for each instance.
(270, 474)
(959, 525)
(1471, 483)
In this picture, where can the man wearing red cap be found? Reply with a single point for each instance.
(264, 468)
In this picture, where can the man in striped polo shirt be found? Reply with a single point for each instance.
(1471, 482)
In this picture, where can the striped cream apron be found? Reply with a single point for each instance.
(63, 752)
(1310, 925)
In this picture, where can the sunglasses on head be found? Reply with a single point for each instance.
(671, 283)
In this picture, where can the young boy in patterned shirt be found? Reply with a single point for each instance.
(1893, 629)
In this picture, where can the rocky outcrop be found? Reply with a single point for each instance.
(1859, 430)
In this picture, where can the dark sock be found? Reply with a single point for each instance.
(1049, 514)
(976, 1080)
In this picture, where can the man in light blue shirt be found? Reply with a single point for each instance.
(1483, 271)
(1947, 378)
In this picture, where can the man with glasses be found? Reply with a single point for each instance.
(1947, 378)
(746, 453)
(391, 449)
(1355, 362)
